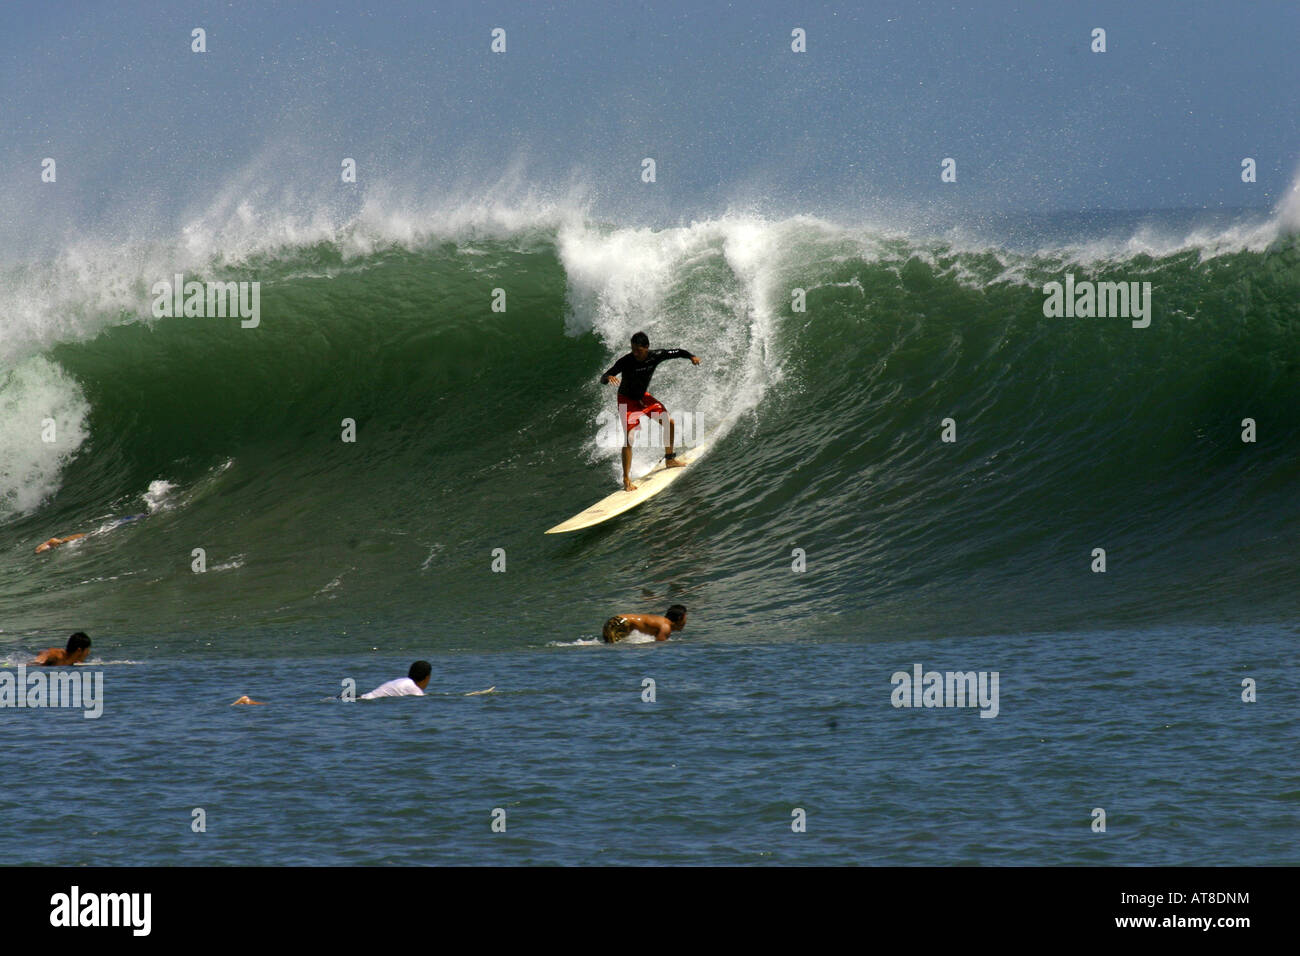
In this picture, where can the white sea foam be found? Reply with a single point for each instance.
(157, 495)
(618, 275)
(38, 400)
(622, 281)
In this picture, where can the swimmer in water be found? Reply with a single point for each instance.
(77, 650)
(53, 543)
(618, 628)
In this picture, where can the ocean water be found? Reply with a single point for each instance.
(1147, 725)
(828, 540)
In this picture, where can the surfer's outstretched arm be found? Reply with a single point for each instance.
(663, 355)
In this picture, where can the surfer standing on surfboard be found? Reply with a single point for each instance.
(635, 402)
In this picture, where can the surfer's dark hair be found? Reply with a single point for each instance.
(78, 641)
(676, 613)
(641, 338)
(419, 671)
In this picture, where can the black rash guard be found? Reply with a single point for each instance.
(636, 375)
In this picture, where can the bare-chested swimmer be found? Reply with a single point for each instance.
(78, 650)
(659, 627)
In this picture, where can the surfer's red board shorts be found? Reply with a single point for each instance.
(634, 410)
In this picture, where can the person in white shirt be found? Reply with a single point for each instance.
(412, 685)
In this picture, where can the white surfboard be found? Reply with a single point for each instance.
(647, 486)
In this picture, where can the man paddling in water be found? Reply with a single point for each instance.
(617, 628)
(635, 402)
(412, 685)
(55, 542)
(78, 650)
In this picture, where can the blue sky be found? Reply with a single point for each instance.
(143, 129)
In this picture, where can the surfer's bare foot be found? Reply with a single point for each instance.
(674, 463)
(627, 485)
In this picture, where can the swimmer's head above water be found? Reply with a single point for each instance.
(419, 672)
(76, 651)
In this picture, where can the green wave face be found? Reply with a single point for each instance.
(476, 430)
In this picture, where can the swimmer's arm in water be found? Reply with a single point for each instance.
(248, 700)
(656, 625)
